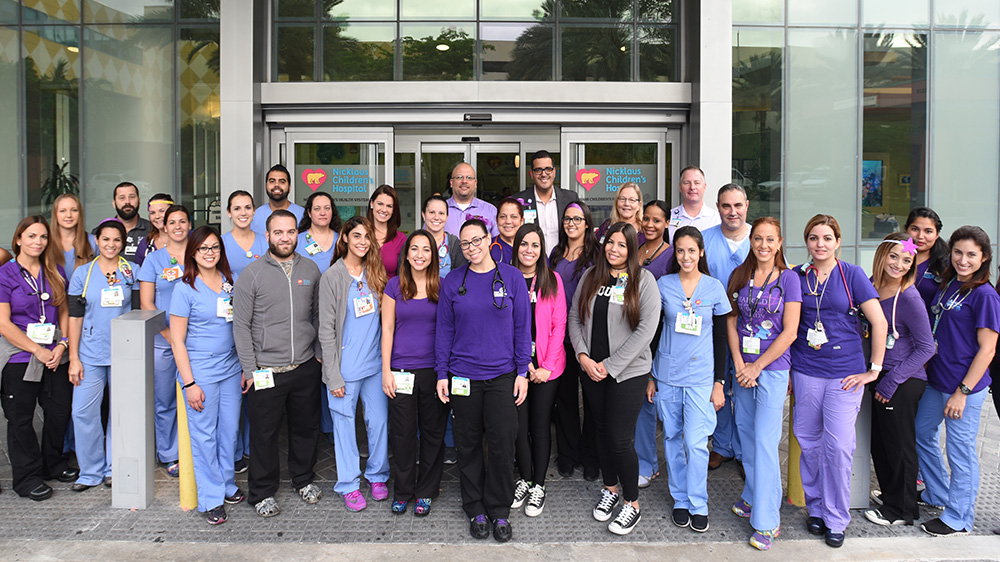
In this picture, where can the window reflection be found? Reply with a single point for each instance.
(437, 52)
(358, 52)
(516, 51)
(597, 53)
(295, 54)
(198, 68)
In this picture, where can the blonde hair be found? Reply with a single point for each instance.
(81, 242)
(638, 212)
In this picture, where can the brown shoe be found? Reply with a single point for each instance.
(715, 460)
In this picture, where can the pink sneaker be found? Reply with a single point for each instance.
(355, 501)
(380, 492)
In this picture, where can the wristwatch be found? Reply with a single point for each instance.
(964, 388)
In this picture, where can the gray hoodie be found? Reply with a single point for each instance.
(274, 317)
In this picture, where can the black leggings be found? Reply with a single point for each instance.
(894, 450)
(534, 434)
(616, 406)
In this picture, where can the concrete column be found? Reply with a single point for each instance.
(708, 29)
(131, 423)
(243, 38)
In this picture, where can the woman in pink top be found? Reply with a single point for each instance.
(383, 212)
(548, 361)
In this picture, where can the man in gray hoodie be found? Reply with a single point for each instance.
(275, 308)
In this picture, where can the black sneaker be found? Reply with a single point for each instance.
(921, 502)
(236, 498)
(606, 505)
(520, 493)
(939, 528)
(681, 517)
(816, 526)
(699, 523)
(502, 531)
(591, 473)
(450, 455)
(479, 527)
(626, 520)
(877, 517)
(217, 516)
(536, 501)
(240, 466)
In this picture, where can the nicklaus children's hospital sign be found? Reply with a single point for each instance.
(349, 184)
(601, 183)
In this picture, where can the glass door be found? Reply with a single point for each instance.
(497, 167)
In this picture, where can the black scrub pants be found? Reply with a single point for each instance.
(894, 450)
(294, 393)
(487, 483)
(573, 446)
(407, 413)
(30, 464)
(534, 432)
(616, 408)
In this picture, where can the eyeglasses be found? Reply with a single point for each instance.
(474, 242)
(547, 170)
(632, 200)
(460, 178)
(574, 220)
(209, 249)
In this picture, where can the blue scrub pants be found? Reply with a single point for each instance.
(725, 439)
(325, 414)
(645, 440)
(688, 419)
(213, 438)
(957, 492)
(93, 449)
(165, 404)
(759, 412)
(345, 438)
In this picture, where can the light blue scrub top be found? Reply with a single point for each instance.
(69, 258)
(361, 342)
(259, 222)
(209, 341)
(95, 338)
(322, 259)
(722, 261)
(237, 256)
(681, 359)
(152, 271)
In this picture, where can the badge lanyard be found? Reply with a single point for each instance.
(938, 309)
(531, 290)
(754, 302)
(41, 294)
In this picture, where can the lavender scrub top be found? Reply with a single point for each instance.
(770, 308)
(658, 265)
(914, 344)
(501, 252)
(26, 306)
(927, 283)
(956, 337)
(567, 269)
(413, 338)
(842, 355)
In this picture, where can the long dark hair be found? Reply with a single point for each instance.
(195, 240)
(547, 286)
(407, 285)
(306, 222)
(691, 232)
(601, 273)
(590, 251)
(939, 259)
(661, 205)
(741, 275)
(50, 259)
(372, 262)
(980, 277)
(395, 220)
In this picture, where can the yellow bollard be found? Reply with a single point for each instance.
(795, 494)
(189, 489)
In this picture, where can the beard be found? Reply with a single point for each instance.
(277, 198)
(275, 251)
(126, 213)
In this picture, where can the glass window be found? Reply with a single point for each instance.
(405, 182)
(619, 10)
(438, 51)
(517, 51)
(599, 169)
(129, 112)
(349, 171)
(497, 174)
(199, 10)
(757, 90)
(759, 11)
(657, 55)
(51, 100)
(46, 11)
(198, 93)
(822, 118)
(967, 13)
(295, 8)
(823, 12)
(360, 9)
(8, 11)
(894, 136)
(127, 11)
(358, 52)
(515, 10)
(435, 171)
(437, 9)
(10, 211)
(295, 54)
(597, 53)
(897, 12)
(660, 11)
(965, 143)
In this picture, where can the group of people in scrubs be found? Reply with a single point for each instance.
(688, 316)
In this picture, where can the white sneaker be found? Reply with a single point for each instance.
(536, 501)
(876, 517)
(645, 481)
(520, 493)
(606, 505)
(627, 518)
(310, 493)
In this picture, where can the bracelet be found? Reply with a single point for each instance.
(189, 385)
(876, 367)
(64, 343)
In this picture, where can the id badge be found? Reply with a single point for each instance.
(459, 386)
(224, 308)
(530, 216)
(688, 323)
(172, 273)
(675, 223)
(816, 338)
(363, 306)
(617, 295)
(404, 382)
(131, 249)
(112, 297)
(41, 334)
(263, 379)
(532, 349)
(751, 345)
(890, 341)
(314, 249)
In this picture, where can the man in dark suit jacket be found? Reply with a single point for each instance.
(543, 202)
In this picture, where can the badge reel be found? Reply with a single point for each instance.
(112, 297)
(459, 386)
(263, 379)
(618, 291)
(314, 249)
(890, 341)
(404, 382)
(751, 345)
(530, 216)
(816, 337)
(41, 333)
(224, 308)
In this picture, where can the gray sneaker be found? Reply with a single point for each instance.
(267, 507)
(310, 493)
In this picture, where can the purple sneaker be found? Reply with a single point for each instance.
(355, 501)
(380, 492)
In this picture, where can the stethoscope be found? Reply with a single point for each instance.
(754, 302)
(43, 296)
(499, 257)
(497, 278)
(122, 266)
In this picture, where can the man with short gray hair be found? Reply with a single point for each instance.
(692, 211)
